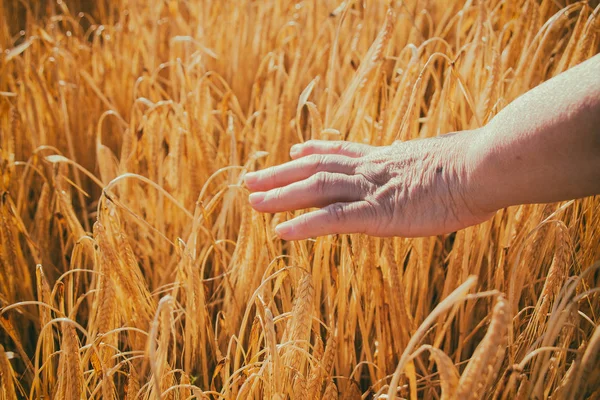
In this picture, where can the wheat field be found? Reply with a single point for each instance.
(132, 265)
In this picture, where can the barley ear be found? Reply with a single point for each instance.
(484, 365)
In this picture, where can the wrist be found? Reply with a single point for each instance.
(484, 172)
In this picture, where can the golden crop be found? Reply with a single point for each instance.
(132, 266)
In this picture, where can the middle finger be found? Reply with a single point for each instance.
(319, 190)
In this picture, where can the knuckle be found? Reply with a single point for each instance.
(278, 194)
(309, 145)
(373, 211)
(378, 173)
(362, 169)
(303, 221)
(339, 146)
(369, 209)
(347, 146)
(363, 185)
(350, 163)
(271, 175)
(320, 181)
(317, 162)
(337, 212)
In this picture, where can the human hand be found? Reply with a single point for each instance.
(416, 188)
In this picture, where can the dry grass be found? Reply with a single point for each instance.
(131, 265)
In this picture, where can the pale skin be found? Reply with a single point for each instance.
(543, 147)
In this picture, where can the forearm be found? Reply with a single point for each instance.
(544, 146)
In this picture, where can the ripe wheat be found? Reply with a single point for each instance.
(132, 266)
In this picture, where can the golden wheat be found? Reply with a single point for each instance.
(132, 266)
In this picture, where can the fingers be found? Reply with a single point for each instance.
(297, 170)
(348, 149)
(343, 217)
(319, 190)
(321, 175)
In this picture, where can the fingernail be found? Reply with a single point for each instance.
(250, 177)
(256, 198)
(295, 150)
(284, 229)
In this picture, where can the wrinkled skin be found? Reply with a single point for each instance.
(415, 188)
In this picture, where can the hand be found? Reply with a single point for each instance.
(415, 188)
